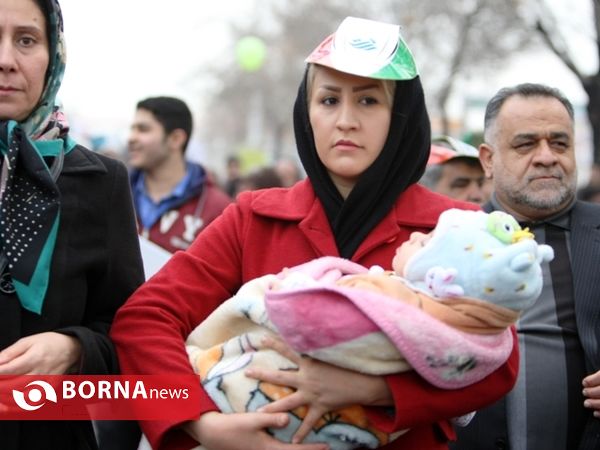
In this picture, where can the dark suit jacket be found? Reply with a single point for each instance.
(488, 428)
(96, 265)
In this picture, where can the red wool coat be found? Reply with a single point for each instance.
(262, 233)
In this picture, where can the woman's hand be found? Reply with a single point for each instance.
(591, 390)
(41, 354)
(320, 386)
(246, 431)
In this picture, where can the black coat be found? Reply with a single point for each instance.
(96, 265)
(488, 428)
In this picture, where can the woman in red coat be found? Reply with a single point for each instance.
(363, 137)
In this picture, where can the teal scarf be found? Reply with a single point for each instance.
(29, 196)
(29, 211)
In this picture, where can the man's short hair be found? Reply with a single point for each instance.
(526, 90)
(431, 176)
(172, 113)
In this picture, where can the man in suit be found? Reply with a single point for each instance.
(529, 154)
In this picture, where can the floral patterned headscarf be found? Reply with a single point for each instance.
(32, 156)
(47, 121)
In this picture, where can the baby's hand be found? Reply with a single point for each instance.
(439, 282)
(376, 270)
(293, 280)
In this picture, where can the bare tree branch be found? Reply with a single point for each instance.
(456, 62)
(596, 7)
(561, 53)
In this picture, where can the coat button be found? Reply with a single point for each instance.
(6, 284)
(501, 444)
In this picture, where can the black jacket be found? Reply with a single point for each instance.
(96, 265)
(488, 428)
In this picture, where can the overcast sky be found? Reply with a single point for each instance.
(119, 51)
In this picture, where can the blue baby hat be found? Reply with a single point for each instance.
(494, 259)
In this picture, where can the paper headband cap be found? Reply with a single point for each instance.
(366, 48)
(445, 148)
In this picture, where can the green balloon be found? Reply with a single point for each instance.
(251, 52)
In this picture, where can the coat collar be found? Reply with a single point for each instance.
(81, 160)
(417, 208)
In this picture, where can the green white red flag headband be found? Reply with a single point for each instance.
(366, 48)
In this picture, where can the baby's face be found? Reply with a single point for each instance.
(408, 248)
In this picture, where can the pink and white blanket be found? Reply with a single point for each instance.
(359, 329)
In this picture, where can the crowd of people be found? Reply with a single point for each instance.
(369, 176)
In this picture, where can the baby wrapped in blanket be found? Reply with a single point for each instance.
(444, 312)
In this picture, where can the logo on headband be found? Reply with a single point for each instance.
(363, 45)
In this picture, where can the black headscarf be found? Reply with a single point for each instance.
(400, 164)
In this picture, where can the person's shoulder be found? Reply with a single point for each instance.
(586, 211)
(284, 203)
(587, 206)
(418, 206)
(82, 160)
(215, 192)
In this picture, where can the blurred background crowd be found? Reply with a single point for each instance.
(236, 65)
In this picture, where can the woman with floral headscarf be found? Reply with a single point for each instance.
(363, 136)
(69, 254)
